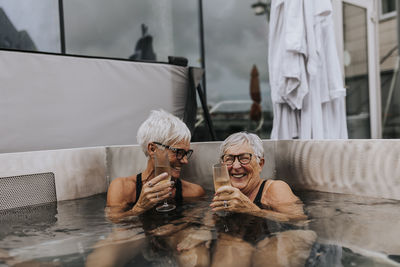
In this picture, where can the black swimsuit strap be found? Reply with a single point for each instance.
(178, 192)
(257, 200)
(138, 186)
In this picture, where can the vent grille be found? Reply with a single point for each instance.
(27, 190)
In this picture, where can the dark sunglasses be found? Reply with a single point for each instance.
(179, 152)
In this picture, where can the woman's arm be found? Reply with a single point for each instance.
(284, 207)
(191, 190)
(280, 198)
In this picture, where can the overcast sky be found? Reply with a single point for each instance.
(235, 38)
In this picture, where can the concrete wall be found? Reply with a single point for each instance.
(78, 173)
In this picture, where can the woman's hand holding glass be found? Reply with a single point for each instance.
(228, 198)
(162, 165)
(154, 191)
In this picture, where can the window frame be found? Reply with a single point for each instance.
(385, 16)
(374, 82)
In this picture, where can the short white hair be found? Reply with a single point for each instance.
(242, 138)
(162, 127)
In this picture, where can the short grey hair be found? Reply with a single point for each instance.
(242, 138)
(162, 127)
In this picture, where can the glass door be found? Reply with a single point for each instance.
(359, 49)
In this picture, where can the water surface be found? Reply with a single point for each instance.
(342, 230)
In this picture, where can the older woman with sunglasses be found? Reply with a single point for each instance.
(140, 192)
(243, 154)
(134, 195)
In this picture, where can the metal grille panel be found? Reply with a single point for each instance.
(27, 190)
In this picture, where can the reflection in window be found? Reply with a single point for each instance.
(139, 30)
(31, 25)
(144, 47)
(235, 41)
(356, 71)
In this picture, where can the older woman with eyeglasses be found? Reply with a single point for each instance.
(245, 240)
(138, 193)
(243, 153)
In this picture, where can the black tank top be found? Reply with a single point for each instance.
(178, 186)
(257, 200)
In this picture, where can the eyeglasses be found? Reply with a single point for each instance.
(179, 153)
(243, 158)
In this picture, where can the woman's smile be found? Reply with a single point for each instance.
(238, 176)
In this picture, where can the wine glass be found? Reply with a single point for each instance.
(221, 178)
(161, 163)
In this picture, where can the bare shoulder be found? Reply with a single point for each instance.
(280, 197)
(191, 189)
(121, 191)
(279, 191)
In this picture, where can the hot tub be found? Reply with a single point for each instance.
(351, 192)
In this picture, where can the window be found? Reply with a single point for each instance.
(235, 42)
(387, 8)
(30, 25)
(140, 30)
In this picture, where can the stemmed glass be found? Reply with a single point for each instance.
(161, 163)
(221, 178)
